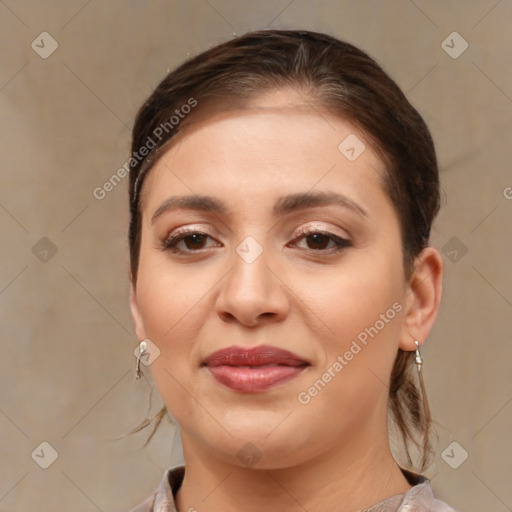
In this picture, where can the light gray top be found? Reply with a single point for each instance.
(418, 498)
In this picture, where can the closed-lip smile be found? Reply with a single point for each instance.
(253, 370)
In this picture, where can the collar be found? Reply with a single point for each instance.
(419, 498)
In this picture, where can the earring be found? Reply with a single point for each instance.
(143, 346)
(418, 359)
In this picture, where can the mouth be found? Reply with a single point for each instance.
(254, 370)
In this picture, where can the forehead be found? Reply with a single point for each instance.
(278, 140)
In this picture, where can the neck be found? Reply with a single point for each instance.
(345, 479)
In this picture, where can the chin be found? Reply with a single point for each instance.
(262, 442)
(260, 454)
(264, 425)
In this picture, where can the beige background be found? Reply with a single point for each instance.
(66, 334)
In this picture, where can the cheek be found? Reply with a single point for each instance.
(168, 295)
(354, 297)
(171, 307)
(354, 373)
(361, 304)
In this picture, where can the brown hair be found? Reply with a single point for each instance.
(345, 81)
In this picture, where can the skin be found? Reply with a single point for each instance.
(332, 453)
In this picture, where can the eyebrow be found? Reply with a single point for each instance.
(284, 205)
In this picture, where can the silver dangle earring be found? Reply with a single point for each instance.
(143, 346)
(419, 360)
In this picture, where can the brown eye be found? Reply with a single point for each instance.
(195, 241)
(192, 241)
(318, 241)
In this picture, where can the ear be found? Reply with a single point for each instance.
(423, 298)
(136, 315)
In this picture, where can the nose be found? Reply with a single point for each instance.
(252, 293)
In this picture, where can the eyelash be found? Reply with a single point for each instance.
(170, 243)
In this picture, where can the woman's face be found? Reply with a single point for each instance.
(334, 297)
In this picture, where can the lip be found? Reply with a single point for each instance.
(253, 370)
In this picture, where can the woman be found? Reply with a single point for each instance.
(282, 192)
